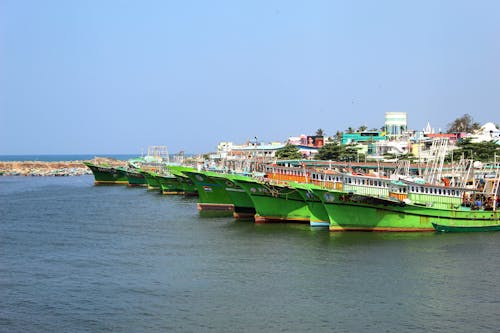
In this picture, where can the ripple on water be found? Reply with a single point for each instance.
(84, 258)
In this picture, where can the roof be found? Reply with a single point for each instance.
(261, 147)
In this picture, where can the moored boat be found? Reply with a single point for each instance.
(169, 184)
(408, 207)
(151, 179)
(186, 185)
(275, 202)
(211, 196)
(107, 175)
(464, 198)
(318, 216)
(243, 205)
(467, 226)
(135, 177)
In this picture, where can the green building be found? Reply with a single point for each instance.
(362, 137)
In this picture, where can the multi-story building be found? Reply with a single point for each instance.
(396, 124)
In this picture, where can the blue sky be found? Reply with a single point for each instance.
(115, 76)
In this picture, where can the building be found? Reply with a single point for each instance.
(308, 145)
(362, 137)
(452, 137)
(254, 150)
(487, 132)
(316, 141)
(393, 147)
(396, 124)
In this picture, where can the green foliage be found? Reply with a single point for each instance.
(337, 152)
(350, 153)
(330, 151)
(320, 132)
(463, 124)
(362, 128)
(338, 136)
(481, 151)
(409, 156)
(289, 152)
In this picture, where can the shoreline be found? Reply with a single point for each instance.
(53, 168)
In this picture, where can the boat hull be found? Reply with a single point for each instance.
(107, 175)
(135, 178)
(186, 185)
(211, 195)
(274, 203)
(151, 180)
(318, 216)
(170, 185)
(243, 205)
(351, 212)
(467, 228)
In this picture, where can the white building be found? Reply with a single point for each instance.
(230, 151)
(395, 124)
(428, 129)
(487, 132)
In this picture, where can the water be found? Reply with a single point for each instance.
(81, 258)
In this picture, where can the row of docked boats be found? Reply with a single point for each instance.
(169, 180)
(466, 199)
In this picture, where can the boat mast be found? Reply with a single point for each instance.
(434, 166)
(496, 183)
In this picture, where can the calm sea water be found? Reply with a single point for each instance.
(81, 258)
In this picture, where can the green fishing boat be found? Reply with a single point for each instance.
(135, 178)
(169, 184)
(187, 186)
(151, 179)
(318, 216)
(275, 203)
(409, 207)
(243, 205)
(107, 175)
(212, 196)
(466, 226)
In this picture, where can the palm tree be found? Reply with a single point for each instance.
(362, 128)
(338, 136)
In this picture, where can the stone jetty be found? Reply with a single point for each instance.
(57, 168)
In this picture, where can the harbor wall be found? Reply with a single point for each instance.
(56, 168)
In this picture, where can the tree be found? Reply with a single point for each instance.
(349, 153)
(407, 156)
(330, 151)
(481, 151)
(338, 136)
(463, 124)
(362, 128)
(320, 132)
(350, 130)
(288, 152)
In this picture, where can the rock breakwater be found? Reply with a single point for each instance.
(59, 168)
